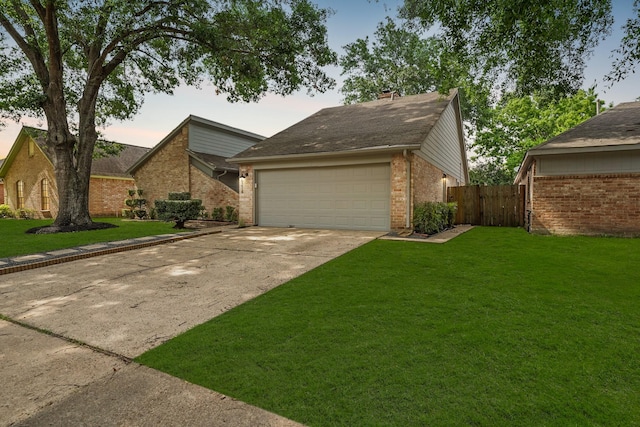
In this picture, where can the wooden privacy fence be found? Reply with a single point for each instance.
(499, 205)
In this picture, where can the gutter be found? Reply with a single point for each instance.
(355, 152)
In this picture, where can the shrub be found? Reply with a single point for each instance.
(451, 213)
(230, 214)
(217, 214)
(136, 204)
(433, 217)
(179, 210)
(180, 196)
(26, 213)
(6, 211)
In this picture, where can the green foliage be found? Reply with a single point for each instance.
(180, 196)
(400, 59)
(397, 60)
(179, 210)
(230, 214)
(628, 54)
(6, 211)
(25, 213)
(517, 124)
(494, 328)
(217, 214)
(524, 47)
(490, 173)
(433, 217)
(136, 204)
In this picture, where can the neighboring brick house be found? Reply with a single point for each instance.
(192, 158)
(587, 179)
(30, 180)
(360, 166)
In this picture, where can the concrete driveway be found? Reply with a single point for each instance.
(123, 304)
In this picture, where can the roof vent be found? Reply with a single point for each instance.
(389, 94)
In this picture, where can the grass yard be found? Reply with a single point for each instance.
(14, 241)
(496, 327)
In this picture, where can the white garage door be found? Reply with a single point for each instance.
(348, 197)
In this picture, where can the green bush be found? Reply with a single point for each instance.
(26, 213)
(6, 211)
(217, 214)
(180, 196)
(230, 214)
(178, 210)
(433, 217)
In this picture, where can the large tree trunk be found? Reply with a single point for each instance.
(73, 192)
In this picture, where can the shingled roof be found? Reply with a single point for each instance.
(615, 129)
(115, 166)
(402, 122)
(618, 126)
(215, 162)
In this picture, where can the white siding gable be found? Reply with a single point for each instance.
(442, 148)
(219, 142)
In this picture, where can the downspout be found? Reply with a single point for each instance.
(408, 189)
(222, 174)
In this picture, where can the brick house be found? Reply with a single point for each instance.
(360, 166)
(30, 181)
(192, 158)
(587, 179)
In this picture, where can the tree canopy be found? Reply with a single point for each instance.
(628, 54)
(80, 63)
(519, 123)
(527, 46)
(397, 60)
(402, 60)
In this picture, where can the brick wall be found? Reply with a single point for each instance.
(166, 171)
(398, 192)
(426, 181)
(588, 205)
(213, 193)
(31, 170)
(246, 195)
(107, 195)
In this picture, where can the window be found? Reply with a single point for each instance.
(44, 194)
(20, 195)
(32, 148)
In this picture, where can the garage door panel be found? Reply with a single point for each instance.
(351, 197)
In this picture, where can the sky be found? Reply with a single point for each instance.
(352, 19)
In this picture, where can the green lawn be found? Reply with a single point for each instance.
(496, 327)
(14, 241)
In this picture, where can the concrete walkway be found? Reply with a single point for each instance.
(68, 331)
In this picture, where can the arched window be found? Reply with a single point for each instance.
(44, 194)
(19, 195)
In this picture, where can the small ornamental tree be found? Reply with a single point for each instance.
(180, 207)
